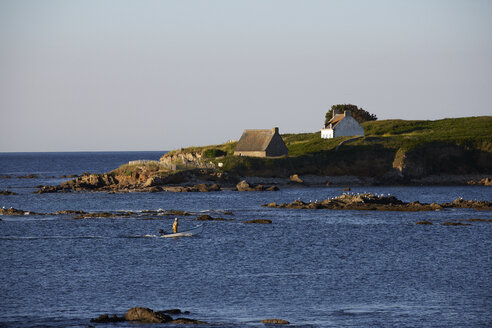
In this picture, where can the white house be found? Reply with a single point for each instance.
(342, 125)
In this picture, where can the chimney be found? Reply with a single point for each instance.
(347, 113)
(275, 130)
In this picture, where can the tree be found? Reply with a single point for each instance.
(359, 114)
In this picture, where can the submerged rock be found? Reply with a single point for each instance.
(104, 318)
(275, 322)
(206, 217)
(455, 224)
(259, 221)
(187, 321)
(7, 193)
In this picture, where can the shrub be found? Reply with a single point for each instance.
(213, 152)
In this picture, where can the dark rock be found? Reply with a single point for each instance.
(146, 315)
(176, 212)
(206, 217)
(48, 189)
(104, 318)
(71, 176)
(259, 221)
(271, 188)
(455, 224)
(97, 215)
(69, 212)
(346, 189)
(424, 222)
(206, 188)
(29, 176)
(479, 220)
(275, 322)
(186, 321)
(7, 193)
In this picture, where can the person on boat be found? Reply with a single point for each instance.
(175, 225)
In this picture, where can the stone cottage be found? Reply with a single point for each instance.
(261, 143)
(342, 125)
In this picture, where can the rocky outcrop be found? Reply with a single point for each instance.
(482, 182)
(379, 202)
(295, 178)
(185, 159)
(14, 212)
(245, 186)
(136, 181)
(142, 315)
(146, 315)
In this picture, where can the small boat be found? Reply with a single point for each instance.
(196, 230)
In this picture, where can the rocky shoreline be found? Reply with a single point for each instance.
(371, 202)
(204, 180)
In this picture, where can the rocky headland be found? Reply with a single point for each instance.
(368, 201)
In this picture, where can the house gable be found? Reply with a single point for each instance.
(261, 143)
(342, 125)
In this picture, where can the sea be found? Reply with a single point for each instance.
(313, 268)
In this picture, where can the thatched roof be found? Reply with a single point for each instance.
(255, 140)
(335, 120)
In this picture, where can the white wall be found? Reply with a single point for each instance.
(326, 133)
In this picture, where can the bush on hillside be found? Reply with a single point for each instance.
(213, 152)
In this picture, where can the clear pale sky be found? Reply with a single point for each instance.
(159, 75)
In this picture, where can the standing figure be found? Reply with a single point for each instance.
(175, 225)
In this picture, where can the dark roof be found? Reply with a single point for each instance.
(255, 140)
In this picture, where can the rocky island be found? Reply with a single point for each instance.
(368, 202)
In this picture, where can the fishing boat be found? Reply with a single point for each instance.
(187, 233)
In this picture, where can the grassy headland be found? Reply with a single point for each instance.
(404, 148)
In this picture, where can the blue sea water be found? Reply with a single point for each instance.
(314, 268)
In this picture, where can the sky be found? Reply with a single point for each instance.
(101, 75)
